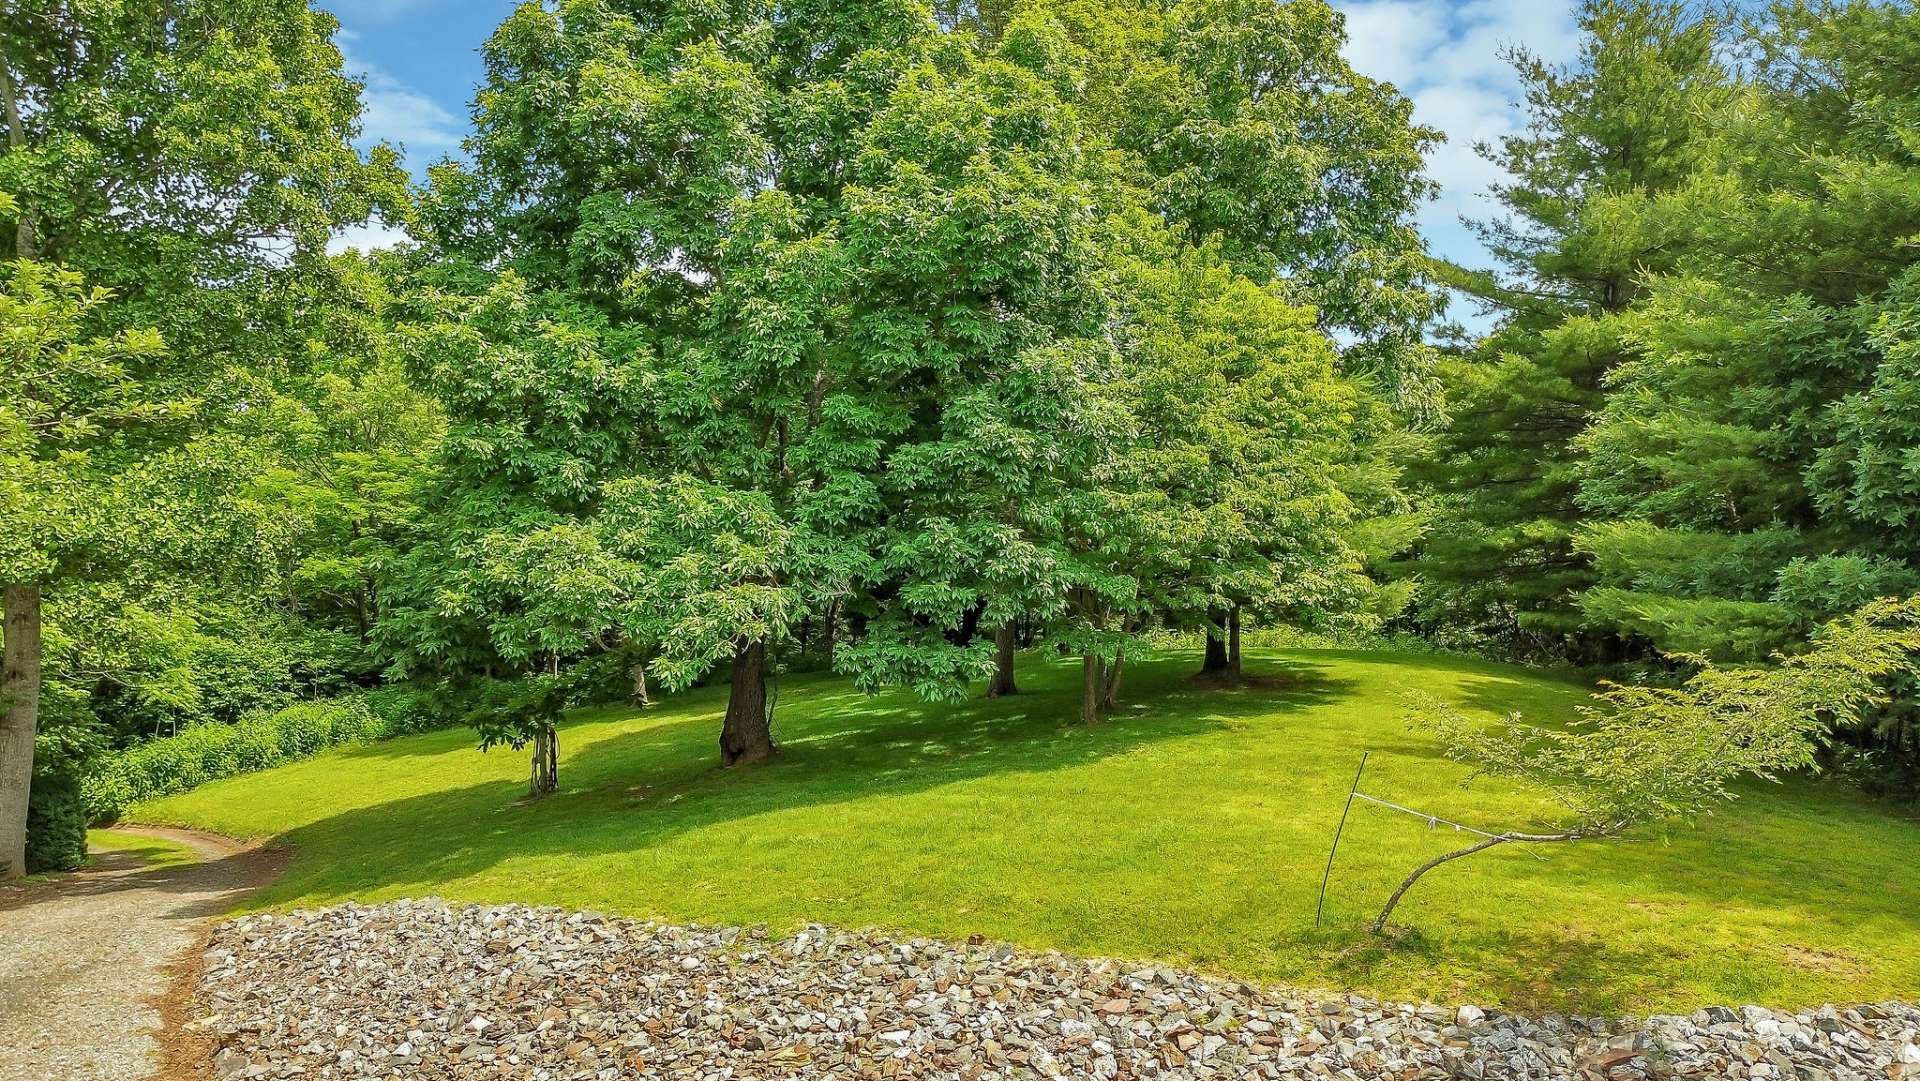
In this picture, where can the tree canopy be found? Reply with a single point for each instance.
(895, 339)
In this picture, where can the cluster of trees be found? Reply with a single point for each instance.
(1694, 428)
(759, 320)
(888, 337)
(863, 335)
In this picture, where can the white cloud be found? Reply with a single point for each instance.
(1446, 57)
(393, 112)
(376, 10)
(1395, 40)
(369, 236)
(398, 114)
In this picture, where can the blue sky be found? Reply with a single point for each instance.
(421, 61)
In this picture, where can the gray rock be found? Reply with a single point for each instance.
(417, 989)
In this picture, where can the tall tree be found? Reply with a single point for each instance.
(502, 579)
(65, 399)
(1751, 473)
(1243, 425)
(678, 168)
(1629, 115)
(193, 159)
(1242, 121)
(838, 289)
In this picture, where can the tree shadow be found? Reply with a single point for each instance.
(1195, 853)
(1540, 703)
(658, 776)
(212, 886)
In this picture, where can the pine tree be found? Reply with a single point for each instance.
(1752, 472)
(1628, 116)
(1748, 472)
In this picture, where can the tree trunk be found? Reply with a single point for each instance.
(639, 674)
(1216, 659)
(1233, 642)
(1111, 696)
(1091, 687)
(1003, 644)
(1380, 921)
(546, 761)
(830, 625)
(746, 735)
(20, 699)
(26, 245)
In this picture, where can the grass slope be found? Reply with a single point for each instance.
(1191, 827)
(151, 851)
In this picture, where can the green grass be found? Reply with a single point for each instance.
(150, 851)
(1191, 827)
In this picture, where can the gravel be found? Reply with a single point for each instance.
(82, 956)
(420, 989)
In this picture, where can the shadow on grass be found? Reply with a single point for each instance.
(210, 887)
(637, 788)
(1182, 848)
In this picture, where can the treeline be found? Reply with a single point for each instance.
(1696, 427)
(887, 339)
(737, 339)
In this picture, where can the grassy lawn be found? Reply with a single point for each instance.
(1191, 827)
(151, 851)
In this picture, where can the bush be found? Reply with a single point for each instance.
(208, 752)
(404, 711)
(56, 825)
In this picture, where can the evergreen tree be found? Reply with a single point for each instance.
(1628, 116)
(1751, 472)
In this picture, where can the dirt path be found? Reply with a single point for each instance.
(84, 957)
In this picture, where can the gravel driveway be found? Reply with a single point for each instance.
(84, 956)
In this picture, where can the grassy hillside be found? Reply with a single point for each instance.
(1191, 827)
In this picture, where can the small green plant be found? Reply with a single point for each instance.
(56, 825)
(1637, 754)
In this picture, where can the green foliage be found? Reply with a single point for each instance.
(209, 752)
(1693, 429)
(1751, 472)
(64, 397)
(894, 346)
(186, 157)
(1243, 433)
(188, 163)
(1640, 754)
(499, 577)
(1242, 122)
(1499, 564)
(56, 824)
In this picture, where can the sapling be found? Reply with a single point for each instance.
(1638, 755)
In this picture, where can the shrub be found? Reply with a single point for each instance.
(404, 711)
(56, 825)
(208, 752)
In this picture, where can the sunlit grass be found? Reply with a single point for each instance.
(1191, 826)
(150, 851)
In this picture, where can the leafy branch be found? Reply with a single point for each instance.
(1637, 755)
